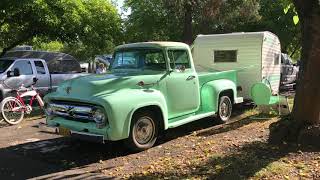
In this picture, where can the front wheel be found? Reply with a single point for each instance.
(12, 110)
(224, 109)
(143, 131)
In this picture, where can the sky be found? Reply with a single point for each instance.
(123, 13)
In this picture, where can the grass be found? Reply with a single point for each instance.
(274, 168)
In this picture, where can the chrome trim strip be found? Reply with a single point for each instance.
(75, 116)
(71, 108)
(88, 134)
(72, 111)
(85, 133)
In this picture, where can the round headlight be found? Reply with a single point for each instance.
(98, 115)
(99, 118)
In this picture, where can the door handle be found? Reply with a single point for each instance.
(190, 77)
(35, 80)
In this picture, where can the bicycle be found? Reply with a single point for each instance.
(14, 108)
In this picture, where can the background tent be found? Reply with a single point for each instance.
(57, 62)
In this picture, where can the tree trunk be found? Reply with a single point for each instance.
(307, 100)
(187, 30)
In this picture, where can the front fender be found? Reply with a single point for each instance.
(210, 93)
(121, 106)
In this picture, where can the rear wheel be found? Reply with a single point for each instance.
(143, 131)
(224, 109)
(12, 110)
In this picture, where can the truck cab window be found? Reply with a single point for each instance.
(39, 67)
(155, 60)
(151, 59)
(179, 58)
(24, 67)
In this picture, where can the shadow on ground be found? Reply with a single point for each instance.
(242, 164)
(34, 159)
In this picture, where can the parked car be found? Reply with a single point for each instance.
(289, 71)
(50, 71)
(152, 87)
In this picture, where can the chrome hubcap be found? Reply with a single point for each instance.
(225, 109)
(144, 130)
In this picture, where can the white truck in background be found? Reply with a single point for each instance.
(49, 68)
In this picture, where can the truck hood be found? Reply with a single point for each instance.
(96, 85)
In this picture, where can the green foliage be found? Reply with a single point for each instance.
(86, 28)
(164, 19)
(229, 16)
(150, 20)
(295, 19)
(39, 44)
(277, 18)
(94, 24)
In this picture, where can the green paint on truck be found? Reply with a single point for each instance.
(151, 87)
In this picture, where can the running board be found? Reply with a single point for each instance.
(190, 119)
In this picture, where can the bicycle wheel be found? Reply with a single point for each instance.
(12, 110)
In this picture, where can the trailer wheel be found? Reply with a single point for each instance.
(143, 131)
(224, 109)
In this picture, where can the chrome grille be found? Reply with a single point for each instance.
(74, 112)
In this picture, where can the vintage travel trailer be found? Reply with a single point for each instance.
(255, 54)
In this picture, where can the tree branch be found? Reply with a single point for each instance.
(16, 43)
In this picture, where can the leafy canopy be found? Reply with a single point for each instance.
(95, 24)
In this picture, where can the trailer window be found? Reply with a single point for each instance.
(276, 59)
(225, 55)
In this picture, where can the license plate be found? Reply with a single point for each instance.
(64, 131)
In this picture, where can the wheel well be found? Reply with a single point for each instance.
(156, 112)
(228, 93)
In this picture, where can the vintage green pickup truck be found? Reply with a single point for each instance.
(150, 87)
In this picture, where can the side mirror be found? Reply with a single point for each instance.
(16, 72)
(83, 70)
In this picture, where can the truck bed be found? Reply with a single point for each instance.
(205, 77)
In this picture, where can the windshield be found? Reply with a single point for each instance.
(149, 59)
(4, 64)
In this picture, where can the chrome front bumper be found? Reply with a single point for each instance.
(76, 134)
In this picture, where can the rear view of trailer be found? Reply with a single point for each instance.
(256, 55)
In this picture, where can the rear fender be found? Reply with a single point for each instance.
(211, 91)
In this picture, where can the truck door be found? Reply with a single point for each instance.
(182, 84)
(26, 74)
(42, 74)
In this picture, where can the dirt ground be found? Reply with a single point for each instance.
(199, 150)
